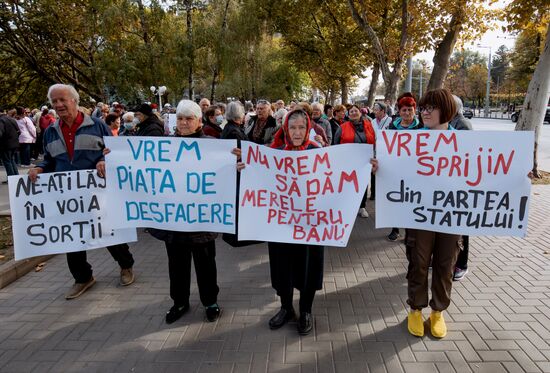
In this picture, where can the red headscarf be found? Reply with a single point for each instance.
(283, 134)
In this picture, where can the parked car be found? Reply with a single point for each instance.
(468, 113)
(515, 115)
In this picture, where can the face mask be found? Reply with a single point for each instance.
(135, 122)
(129, 125)
(219, 119)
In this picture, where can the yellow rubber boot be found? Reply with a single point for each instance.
(438, 326)
(416, 323)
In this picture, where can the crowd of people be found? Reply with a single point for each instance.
(70, 137)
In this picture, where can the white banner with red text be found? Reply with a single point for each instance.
(460, 182)
(302, 197)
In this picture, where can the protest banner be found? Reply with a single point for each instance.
(61, 212)
(462, 182)
(309, 197)
(171, 183)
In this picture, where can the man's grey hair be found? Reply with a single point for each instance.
(459, 105)
(318, 106)
(128, 116)
(72, 91)
(234, 111)
(188, 108)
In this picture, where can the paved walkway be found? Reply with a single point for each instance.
(499, 320)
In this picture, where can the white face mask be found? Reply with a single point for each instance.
(219, 119)
(129, 125)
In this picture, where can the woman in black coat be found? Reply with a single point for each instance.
(296, 266)
(181, 247)
(234, 114)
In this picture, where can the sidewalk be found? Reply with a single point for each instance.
(499, 320)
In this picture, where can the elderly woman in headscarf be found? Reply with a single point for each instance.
(296, 266)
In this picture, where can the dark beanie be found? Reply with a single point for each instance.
(381, 105)
(143, 109)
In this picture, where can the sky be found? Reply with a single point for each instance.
(493, 38)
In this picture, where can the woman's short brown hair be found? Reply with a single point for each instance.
(441, 99)
(211, 111)
(338, 108)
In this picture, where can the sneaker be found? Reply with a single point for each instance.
(459, 273)
(393, 236)
(415, 323)
(212, 312)
(126, 276)
(437, 324)
(363, 212)
(175, 313)
(78, 288)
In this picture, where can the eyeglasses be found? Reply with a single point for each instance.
(428, 109)
(262, 102)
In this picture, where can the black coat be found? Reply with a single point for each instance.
(151, 126)
(9, 133)
(296, 266)
(184, 238)
(233, 131)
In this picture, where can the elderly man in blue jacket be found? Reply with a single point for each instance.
(75, 142)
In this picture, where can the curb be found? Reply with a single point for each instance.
(14, 270)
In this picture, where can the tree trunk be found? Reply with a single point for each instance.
(190, 45)
(219, 52)
(445, 48)
(373, 84)
(534, 106)
(344, 89)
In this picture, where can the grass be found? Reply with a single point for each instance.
(6, 240)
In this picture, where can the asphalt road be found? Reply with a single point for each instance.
(482, 124)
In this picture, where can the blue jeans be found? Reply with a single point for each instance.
(8, 160)
(25, 151)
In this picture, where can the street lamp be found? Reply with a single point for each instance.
(160, 91)
(488, 89)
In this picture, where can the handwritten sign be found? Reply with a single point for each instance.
(180, 184)
(310, 197)
(62, 212)
(464, 182)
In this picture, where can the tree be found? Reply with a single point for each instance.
(536, 12)
(465, 20)
(326, 35)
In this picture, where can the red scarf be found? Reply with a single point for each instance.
(278, 139)
(348, 132)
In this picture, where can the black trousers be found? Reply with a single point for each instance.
(372, 186)
(82, 270)
(179, 271)
(296, 266)
(462, 260)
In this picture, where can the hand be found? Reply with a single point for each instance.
(240, 166)
(374, 163)
(238, 152)
(106, 151)
(33, 173)
(100, 167)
